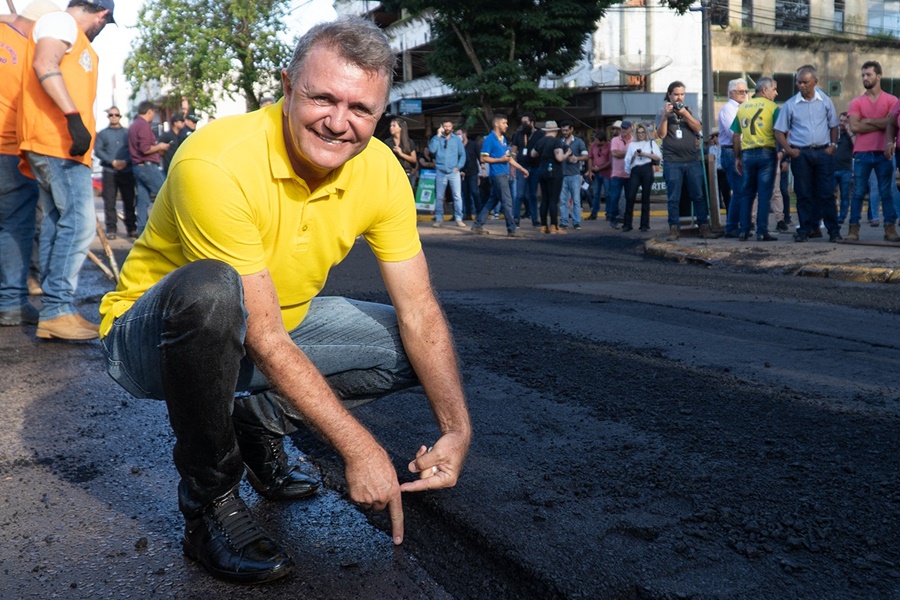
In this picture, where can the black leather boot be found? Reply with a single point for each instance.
(226, 540)
(267, 465)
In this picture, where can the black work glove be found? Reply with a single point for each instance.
(81, 137)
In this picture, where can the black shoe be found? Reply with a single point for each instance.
(110, 235)
(226, 540)
(576, 226)
(535, 223)
(765, 238)
(645, 229)
(815, 233)
(626, 228)
(801, 237)
(781, 227)
(133, 234)
(267, 465)
(732, 234)
(592, 217)
(835, 237)
(744, 236)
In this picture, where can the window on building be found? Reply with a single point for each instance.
(718, 13)
(884, 17)
(839, 11)
(720, 82)
(787, 85)
(746, 13)
(792, 15)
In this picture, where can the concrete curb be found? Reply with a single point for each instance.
(708, 257)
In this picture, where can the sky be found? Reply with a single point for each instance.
(114, 43)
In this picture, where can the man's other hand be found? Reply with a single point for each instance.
(81, 137)
(440, 466)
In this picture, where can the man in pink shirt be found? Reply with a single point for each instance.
(869, 118)
(619, 178)
(600, 170)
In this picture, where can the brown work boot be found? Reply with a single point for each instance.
(890, 232)
(67, 327)
(556, 229)
(674, 233)
(853, 235)
(707, 233)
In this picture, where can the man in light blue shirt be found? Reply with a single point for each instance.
(807, 129)
(449, 157)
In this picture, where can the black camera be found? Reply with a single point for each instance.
(639, 152)
(677, 106)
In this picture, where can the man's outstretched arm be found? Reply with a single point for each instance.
(429, 346)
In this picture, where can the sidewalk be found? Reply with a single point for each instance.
(871, 260)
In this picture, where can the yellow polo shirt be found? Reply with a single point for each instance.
(232, 195)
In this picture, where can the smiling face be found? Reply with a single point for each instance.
(330, 112)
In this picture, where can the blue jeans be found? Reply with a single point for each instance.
(531, 187)
(613, 193)
(599, 186)
(874, 197)
(183, 342)
(69, 225)
(499, 185)
(813, 174)
(733, 219)
(18, 201)
(759, 166)
(571, 188)
(470, 194)
(842, 180)
(863, 165)
(675, 174)
(149, 179)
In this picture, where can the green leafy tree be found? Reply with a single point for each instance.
(199, 48)
(495, 53)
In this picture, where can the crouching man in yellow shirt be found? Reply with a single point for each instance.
(217, 310)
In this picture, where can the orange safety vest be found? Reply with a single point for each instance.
(12, 58)
(42, 125)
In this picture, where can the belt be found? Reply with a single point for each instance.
(819, 147)
(732, 147)
(769, 148)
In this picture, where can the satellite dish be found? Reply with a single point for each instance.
(605, 75)
(640, 64)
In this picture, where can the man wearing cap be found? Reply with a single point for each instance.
(112, 151)
(190, 126)
(618, 180)
(59, 86)
(170, 137)
(737, 94)
(18, 194)
(146, 153)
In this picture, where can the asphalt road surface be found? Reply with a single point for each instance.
(643, 429)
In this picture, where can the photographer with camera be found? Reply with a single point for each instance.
(449, 157)
(679, 130)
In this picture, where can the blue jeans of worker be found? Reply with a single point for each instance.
(759, 166)
(842, 180)
(599, 187)
(874, 198)
(813, 174)
(733, 218)
(519, 193)
(863, 165)
(615, 190)
(675, 174)
(69, 225)
(149, 179)
(571, 190)
(499, 185)
(183, 342)
(18, 202)
(440, 187)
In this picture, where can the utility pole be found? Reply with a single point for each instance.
(708, 109)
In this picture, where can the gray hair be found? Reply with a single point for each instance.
(764, 83)
(732, 85)
(811, 70)
(359, 41)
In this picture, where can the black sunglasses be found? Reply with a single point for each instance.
(111, 115)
